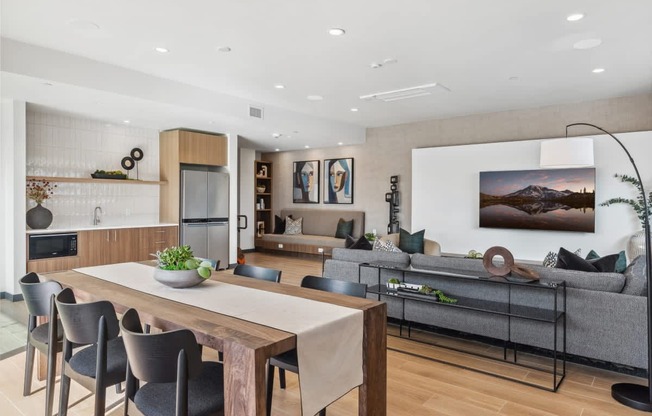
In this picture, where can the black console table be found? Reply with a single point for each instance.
(555, 315)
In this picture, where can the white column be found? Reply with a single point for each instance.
(12, 182)
(246, 197)
(233, 198)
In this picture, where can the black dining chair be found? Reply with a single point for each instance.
(288, 360)
(103, 363)
(46, 338)
(257, 272)
(177, 381)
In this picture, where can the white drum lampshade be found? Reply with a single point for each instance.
(567, 153)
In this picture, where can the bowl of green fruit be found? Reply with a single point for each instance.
(179, 268)
(108, 174)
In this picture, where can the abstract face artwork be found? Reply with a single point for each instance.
(306, 182)
(338, 181)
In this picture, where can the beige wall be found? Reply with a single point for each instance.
(388, 150)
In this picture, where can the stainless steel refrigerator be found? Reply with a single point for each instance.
(205, 212)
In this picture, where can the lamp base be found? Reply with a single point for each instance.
(632, 395)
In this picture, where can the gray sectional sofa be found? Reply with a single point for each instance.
(606, 312)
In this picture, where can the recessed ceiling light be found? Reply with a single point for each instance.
(276, 135)
(587, 43)
(223, 49)
(279, 86)
(355, 110)
(375, 65)
(598, 70)
(575, 17)
(315, 97)
(390, 61)
(277, 150)
(126, 121)
(340, 143)
(336, 31)
(307, 147)
(161, 49)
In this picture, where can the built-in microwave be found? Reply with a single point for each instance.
(44, 246)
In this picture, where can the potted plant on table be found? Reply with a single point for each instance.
(636, 245)
(39, 217)
(179, 268)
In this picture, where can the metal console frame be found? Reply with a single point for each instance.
(557, 316)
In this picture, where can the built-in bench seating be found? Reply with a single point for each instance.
(319, 226)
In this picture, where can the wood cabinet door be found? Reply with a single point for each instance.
(202, 149)
(124, 245)
(153, 239)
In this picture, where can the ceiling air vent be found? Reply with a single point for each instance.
(255, 112)
(404, 93)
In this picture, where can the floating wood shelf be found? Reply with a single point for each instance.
(91, 180)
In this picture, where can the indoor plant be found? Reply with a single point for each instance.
(38, 191)
(178, 267)
(636, 245)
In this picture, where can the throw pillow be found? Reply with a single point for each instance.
(344, 228)
(571, 261)
(551, 258)
(411, 243)
(619, 266)
(385, 245)
(279, 224)
(360, 244)
(635, 279)
(293, 227)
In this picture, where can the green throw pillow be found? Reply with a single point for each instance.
(411, 243)
(344, 228)
(621, 263)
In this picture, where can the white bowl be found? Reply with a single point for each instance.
(178, 278)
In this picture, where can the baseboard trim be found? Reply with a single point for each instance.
(249, 250)
(14, 298)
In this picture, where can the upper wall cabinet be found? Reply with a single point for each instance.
(201, 148)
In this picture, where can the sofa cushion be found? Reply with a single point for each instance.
(292, 226)
(312, 240)
(635, 279)
(620, 263)
(360, 244)
(411, 243)
(344, 228)
(362, 256)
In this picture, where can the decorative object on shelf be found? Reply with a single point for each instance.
(128, 164)
(338, 181)
(393, 284)
(393, 199)
(472, 254)
(111, 174)
(261, 201)
(544, 199)
(524, 272)
(261, 189)
(491, 267)
(39, 217)
(260, 228)
(579, 151)
(263, 171)
(305, 184)
(179, 268)
(137, 155)
(636, 244)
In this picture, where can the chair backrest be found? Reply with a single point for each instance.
(336, 286)
(37, 294)
(81, 320)
(153, 357)
(256, 272)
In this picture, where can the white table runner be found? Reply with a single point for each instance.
(329, 337)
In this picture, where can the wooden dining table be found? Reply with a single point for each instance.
(247, 345)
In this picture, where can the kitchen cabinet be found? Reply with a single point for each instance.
(178, 147)
(106, 246)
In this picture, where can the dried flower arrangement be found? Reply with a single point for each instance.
(39, 190)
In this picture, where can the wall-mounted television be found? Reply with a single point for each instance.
(544, 199)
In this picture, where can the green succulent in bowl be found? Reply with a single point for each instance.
(182, 258)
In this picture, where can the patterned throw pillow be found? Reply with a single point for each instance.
(385, 245)
(551, 258)
(293, 227)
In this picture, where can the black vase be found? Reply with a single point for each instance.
(39, 217)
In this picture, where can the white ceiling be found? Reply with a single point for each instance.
(472, 47)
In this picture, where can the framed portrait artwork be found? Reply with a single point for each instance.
(338, 181)
(305, 187)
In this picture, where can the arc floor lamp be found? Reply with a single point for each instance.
(579, 152)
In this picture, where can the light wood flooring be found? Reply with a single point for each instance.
(416, 386)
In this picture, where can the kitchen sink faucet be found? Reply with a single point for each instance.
(96, 217)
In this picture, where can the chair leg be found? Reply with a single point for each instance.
(49, 384)
(29, 368)
(65, 392)
(270, 388)
(100, 401)
(281, 377)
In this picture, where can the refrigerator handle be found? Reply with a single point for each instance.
(246, 222)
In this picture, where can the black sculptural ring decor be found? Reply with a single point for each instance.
(127, 163)
(488, 261)
(137, 154)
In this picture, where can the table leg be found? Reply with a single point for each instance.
(373, 391)
(244, 381)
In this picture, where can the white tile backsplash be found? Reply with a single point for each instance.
(70, 145)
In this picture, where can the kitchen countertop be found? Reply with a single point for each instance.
(97, 227)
